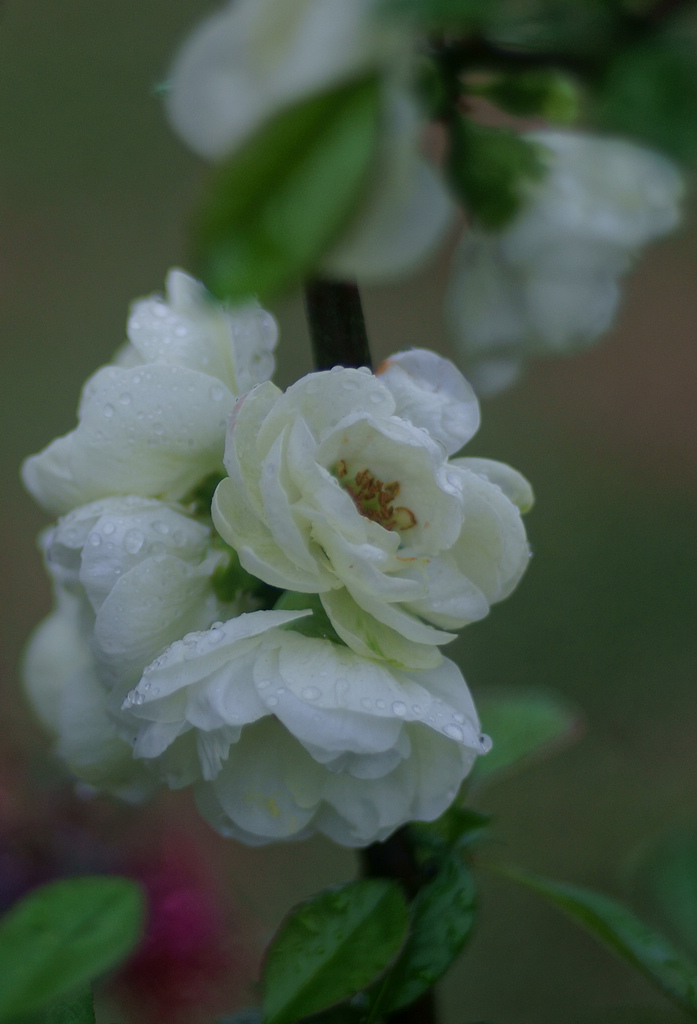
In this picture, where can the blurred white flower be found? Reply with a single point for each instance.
(285, 735)
(153, 423)
(342, 487)
(549, 282)
(130, 576)
(248, 61)
(63, 685)
(251, 60)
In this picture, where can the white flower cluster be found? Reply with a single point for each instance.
(323, 704)
(546, 283)
(549, 282)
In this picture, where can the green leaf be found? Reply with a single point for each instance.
(523, 725)
(544, 92)
(282, 199)
(331, 946)
(457, 828)
(451, 14)
(665, 878)
(622, 931)
(489, 168)
(62, 935)
(443, 912)
(75, 1009)
(650, 91)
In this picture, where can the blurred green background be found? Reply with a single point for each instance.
(94, 196)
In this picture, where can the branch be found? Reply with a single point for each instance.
(337, 327)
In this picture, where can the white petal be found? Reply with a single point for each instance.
(154, 431)
(431, 393)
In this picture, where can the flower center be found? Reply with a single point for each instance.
(374, 499)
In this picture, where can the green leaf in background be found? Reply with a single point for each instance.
(489, 168)
(650, 91)
(523, 725)
(443, 913)
(331, 946)
(542, 92)
(451, 14)
(276, 205)
(664, 874)
(62, 935)
(74, 1009)
(620, 929)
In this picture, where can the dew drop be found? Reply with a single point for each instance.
(454, 732)
(485, 743)
(312, 693)
(125, 398)
(108, 528)
(94, 539)
(416, 708)
(159, 526)
(365, 703)
(459, 718)
(216, 393)
(399, 708)
(380, 705)
(133, 541)
(263, 684)
(215, 635)
(272, 701)
(108, 411)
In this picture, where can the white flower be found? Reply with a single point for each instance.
(549, 282)
(153, 424)
(62, 682)
(342, 487)
(250, 61)
(406, 208)
(285, 734)
(145, 571)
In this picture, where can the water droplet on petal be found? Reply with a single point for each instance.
(454, 732)
(133, 541)
(380, 705)
(216, 393)
(272, 701)
(108, 411)
(160, 527)
(399, 708)
(485, 743)
(311, 693)
(94, 539)
(125, 398)
(108, 528)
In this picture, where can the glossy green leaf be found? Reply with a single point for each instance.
(665, 878)
(276, 205)
(62, 935)
(332, 946)
(443, 913)
(490, 168)
(650, 92)
(523, 725)
(622, 931)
